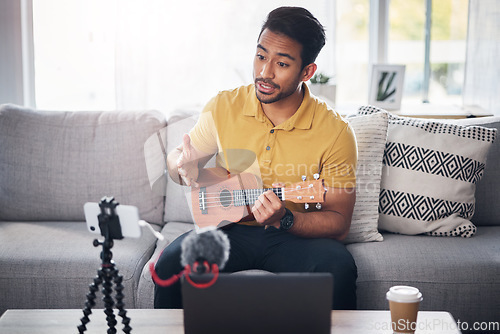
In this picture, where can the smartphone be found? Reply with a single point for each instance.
(128, 215)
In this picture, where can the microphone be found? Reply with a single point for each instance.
(203, 251)
(206, 246)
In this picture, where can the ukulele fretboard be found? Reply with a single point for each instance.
(249, 196)
(227, 198)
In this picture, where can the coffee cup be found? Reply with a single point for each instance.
(403, 303)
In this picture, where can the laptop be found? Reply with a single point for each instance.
(256, 303)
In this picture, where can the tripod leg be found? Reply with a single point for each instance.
(120, 305)
(108, 299)
(90, 303)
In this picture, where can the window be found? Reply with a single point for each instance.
(74, 46)
(360, 43)
(126, 54)
(406, 45)
(352, 50)
(164, 55)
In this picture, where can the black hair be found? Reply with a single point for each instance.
(300, 25)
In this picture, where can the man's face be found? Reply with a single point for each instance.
(277, 67)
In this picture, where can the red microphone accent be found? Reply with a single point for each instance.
(215, 271)
(163, 282)
(196, 265)
(169, 281)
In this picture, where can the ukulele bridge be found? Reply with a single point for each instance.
(202, 200)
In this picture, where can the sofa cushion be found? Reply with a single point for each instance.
(458, 275)
(53, 162)
(430, 174)
(52, 264)
(371, 134)
(487, 209)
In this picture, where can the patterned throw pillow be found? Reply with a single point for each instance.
(429, 175)
(371, 134)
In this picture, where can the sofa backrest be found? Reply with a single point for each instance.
(52, 162)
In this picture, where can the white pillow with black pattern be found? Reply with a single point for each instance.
(429, 175)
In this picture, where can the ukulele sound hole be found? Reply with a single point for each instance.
(225, 198)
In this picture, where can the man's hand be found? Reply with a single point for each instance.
(268, 209)
(187, 162)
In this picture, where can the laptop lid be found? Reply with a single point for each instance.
(256, 303)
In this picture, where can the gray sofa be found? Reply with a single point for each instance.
(51, 163)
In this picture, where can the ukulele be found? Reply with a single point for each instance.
(222, 199)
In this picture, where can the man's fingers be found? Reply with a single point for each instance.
(189, 181)
(186, 151)
(186, 178)
(187, 166)
(267, 203)
(186, 146)
(256, 205)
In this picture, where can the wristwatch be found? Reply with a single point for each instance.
(286, 222)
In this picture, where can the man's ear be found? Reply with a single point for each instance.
(309, 71)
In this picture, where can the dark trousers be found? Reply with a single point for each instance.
(253, 247)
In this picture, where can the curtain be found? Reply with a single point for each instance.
(482, 70)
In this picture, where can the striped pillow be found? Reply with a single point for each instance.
(371, 133)
(429, 175)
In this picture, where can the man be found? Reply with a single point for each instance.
(290, 133)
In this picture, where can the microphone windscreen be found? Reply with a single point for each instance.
(208, 245)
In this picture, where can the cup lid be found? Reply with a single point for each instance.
(404, 294)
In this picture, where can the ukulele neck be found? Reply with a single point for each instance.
(245, 197)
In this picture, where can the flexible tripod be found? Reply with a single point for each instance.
(109, 224)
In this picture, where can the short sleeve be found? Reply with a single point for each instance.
(339, 167)
(204, 134)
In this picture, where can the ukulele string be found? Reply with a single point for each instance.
(217, 197)
(242, 198)
(251, 191)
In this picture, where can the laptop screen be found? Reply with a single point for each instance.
(257, 303)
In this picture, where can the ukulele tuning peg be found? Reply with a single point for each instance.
(306, 206)
(303, 177)
(316, 176)
(318, 206)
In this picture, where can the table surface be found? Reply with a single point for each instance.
(171, 321)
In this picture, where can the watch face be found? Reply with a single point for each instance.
(287, 221)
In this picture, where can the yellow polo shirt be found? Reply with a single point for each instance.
(315, 139)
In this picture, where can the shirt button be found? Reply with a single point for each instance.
(268, 148)
(272, 131)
